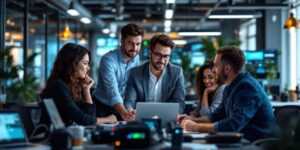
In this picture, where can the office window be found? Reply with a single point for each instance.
(248, 35)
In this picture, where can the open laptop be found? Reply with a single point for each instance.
(12, 133)
(53, 113)
(167, 112)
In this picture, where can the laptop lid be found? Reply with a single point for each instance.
(167, 112)
(11, 128)
(53, 113)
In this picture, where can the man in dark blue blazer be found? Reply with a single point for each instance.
(245, 107)
(157, 80)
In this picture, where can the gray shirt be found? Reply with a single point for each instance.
(216, 101)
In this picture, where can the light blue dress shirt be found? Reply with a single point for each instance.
(113, 76)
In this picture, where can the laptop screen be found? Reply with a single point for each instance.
(11, 127)
(53, 114)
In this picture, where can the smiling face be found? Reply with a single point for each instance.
(131, 46)
(159, 57)
(209, 78)
(82, 67)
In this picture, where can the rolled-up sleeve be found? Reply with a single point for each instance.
(107, 71)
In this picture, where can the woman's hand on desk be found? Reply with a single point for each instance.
(108, 119)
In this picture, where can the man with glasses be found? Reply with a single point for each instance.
(157, 80)
(113, 74)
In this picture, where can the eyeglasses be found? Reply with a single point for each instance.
(160, 56)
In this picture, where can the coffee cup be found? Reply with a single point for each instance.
(77, 133)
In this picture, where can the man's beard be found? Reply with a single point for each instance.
(126, 53)
(156, 67)
(223, 75)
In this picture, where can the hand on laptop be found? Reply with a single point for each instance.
(189, 125)
(128, 116)
(180, 118)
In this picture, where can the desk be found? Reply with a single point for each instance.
(279, 104)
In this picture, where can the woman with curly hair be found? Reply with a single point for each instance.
(69, 86)
(209, 89)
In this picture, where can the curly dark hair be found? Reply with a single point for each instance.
(200, 86)
(161, 39)
(131, 29)
(64, 68)
(234, 56)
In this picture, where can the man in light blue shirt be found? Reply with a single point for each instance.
(114, 70)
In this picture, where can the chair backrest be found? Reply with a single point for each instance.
(285, 114)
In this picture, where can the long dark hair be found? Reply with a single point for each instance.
(64, 68)
(200, 86)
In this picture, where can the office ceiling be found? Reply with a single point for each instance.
(189, 15)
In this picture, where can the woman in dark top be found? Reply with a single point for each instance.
(69, 85)
(209, 89)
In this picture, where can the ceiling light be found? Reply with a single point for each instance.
(85, 20)
(170, 1)
(199, 33)
(180, 42)
(105, 30)
(66, 34)
(291, 22)
(169, 14)
(168, 23)
(167, 29)
(235, 15)
(73, 12)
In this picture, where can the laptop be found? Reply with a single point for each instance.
(167, 112)
(53, 113)
(13, 135)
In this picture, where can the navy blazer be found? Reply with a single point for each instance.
(137, 89)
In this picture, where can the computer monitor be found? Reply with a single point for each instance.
(254, 56)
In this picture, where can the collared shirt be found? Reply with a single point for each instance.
(155, 87)
(113, 76)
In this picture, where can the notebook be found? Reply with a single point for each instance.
(13, 135)
(167, 112)
(53, 114)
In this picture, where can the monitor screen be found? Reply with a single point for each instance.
(254, 55)
(104, 45)
(197, 59)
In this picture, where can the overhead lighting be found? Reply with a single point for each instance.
(291, 22)
(167, 29)
(112, 35)
(180, 42)
(168, 23)
(82, 40)
(105, 30)
(66, 34)
(170, 1)
(85, 20)
(169, 14)
(199, 33)
(235, 15)
(72, 10)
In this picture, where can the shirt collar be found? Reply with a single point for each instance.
(152, 75)
(235, 80)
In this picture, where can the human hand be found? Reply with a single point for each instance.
(189, 125)
(211, 89)
(128, 116)
(182, 117)
(111, 119)
(87, 82)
